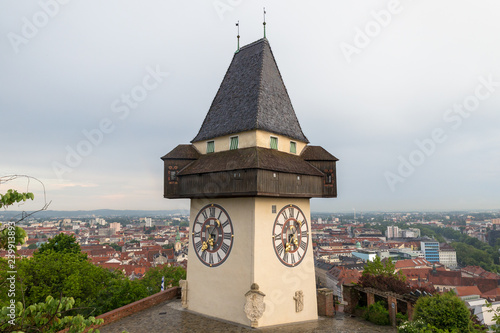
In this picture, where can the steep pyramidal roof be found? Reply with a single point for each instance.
(252, 96)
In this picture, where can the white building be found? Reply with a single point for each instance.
(100, 221)
(115, 227)
(447, 256)
(392, 232)
(149, 222)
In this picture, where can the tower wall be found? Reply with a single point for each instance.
(220, 291)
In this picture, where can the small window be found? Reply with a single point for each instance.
(329, 178)
(293, 147)
(273, 209)
(173, 175)
(233, 143)
(210, 147)
(274, 142)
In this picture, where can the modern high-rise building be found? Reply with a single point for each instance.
(392, 232)
(149, 222)
(430, 250)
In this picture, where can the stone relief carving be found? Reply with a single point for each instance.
(184, 300)
(299, 301)
(254, 307)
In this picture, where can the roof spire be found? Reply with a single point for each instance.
(238, 25)
(264, 23)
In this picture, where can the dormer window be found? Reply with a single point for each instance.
(274, 142)
(233, 143)
(293, 147)
(210, 147)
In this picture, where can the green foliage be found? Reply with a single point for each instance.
(470, 251)
(377, 267)
(48, 316)
(61, 243)
(13, 196)
(152, 278)
(445, 312)
(496, 317)
(32, 246)
(401, 318)
(60, 273)
(377, 314)
(116, 247)
(119, 292)
(11, 231)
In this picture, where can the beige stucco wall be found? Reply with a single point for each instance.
(276, 280)
(256, 138)
(220, 291)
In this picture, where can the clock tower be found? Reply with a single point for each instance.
(250, 173)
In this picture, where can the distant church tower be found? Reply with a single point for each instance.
(250, 174)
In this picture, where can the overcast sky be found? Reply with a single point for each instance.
(405, 93)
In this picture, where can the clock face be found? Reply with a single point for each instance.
(290, 235)
(212, 235)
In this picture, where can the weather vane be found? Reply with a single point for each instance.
(264, 22)
(238, 25)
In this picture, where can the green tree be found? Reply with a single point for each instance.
(61, 243)
(13, 196)
(63, 274)
(116, 247)
(32, 246)
(119, 292)
(387, 268)
(446, 312)
(48, 316)
(152, 278)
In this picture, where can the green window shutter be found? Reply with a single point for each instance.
(234, 143)
(293, 147)
(210, 147)
(274, 142)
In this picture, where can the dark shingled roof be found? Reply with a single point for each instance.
(252, 96)
(182, 152)
(251, 158)
(317, 153)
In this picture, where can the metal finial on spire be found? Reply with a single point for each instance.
(264, 22)
(238, 25)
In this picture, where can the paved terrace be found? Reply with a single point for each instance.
(169, 317)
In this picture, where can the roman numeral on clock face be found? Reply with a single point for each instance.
(224, 247)
(290, 235)
(212, 238)
(279, 248)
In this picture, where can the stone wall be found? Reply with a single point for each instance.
(325, 302)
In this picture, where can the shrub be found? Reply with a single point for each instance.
(400, 318)
(377, 314)
(446, 312)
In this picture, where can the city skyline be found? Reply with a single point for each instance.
(93, 94)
